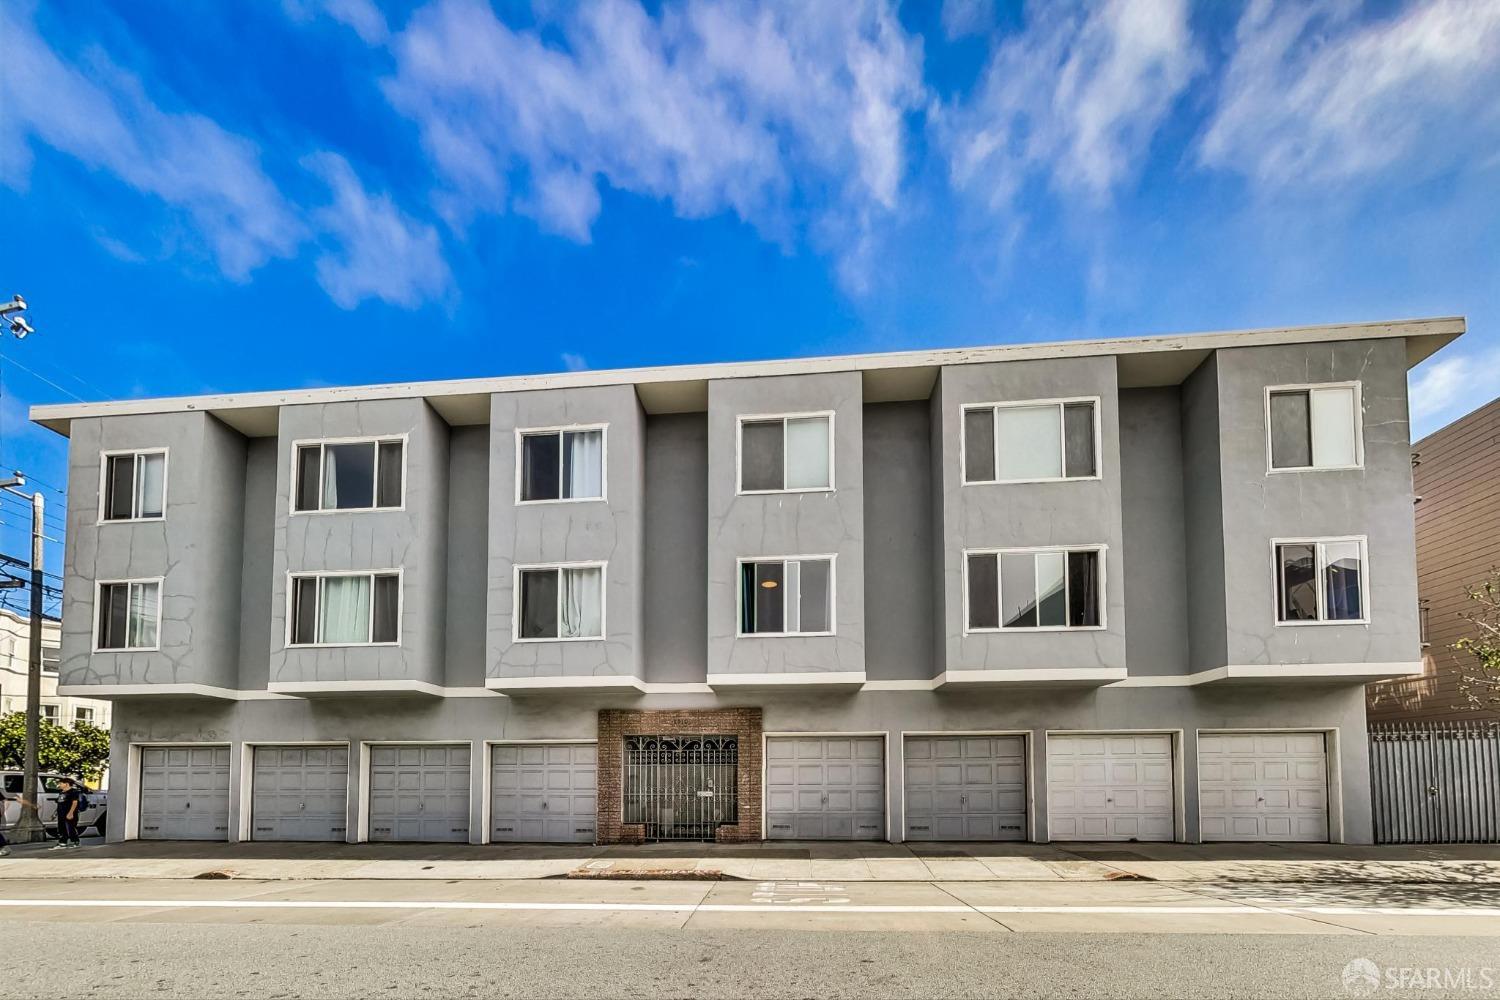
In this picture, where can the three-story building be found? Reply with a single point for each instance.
(1107, 590)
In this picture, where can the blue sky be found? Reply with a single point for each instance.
(219, 197)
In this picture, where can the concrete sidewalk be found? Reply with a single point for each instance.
(844, 862)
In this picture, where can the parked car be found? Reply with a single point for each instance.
(92, 818)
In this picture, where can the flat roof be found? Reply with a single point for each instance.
(1161, 359)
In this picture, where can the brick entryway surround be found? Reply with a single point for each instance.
(615, 724)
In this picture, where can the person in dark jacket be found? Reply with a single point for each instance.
(69, 804)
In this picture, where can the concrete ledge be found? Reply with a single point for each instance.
(314, 689)
(1284, 673)
(163, 691)
(851, 680)
(565, 685)
(1044, 677)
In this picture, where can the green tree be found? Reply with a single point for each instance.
(82, 750)
(1479, 679)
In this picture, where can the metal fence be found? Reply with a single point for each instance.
(1435, 782)
(681, 787)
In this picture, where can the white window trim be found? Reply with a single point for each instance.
(739, 446)
(524, 432)
(320, 575)
(1359, 427)
(1062, 441)
(1033, 550)
(515, 616)
(291, 500)
(160, 599)
(166, 478)
(1318, 568)
(739, 599)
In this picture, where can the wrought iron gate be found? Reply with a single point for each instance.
(1435, 782)
(681, 787)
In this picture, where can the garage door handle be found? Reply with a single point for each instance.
(302, 805)
(544, 805)
(421, 806)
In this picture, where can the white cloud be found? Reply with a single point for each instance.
(361, 15)
(1446, 388)
(1316, 92)
(962, 18)
(760, 112)
(1073, 99)
(103, 118)
(381, 252)
(574, 362)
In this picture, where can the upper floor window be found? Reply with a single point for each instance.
(1031, 442)
(129, 615)
(1033, 589)
(82, 714)
(787, 453)
(349, 475)
(135, 485)
(1314, 426)
(1320, 580)
(561, 464)
(49, 712)
(345, 609)
(786, 596)
(560, 602)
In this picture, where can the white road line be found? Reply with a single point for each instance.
(309, 904)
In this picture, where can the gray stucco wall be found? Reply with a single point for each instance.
(607, 530)
(468, 555)
(898, 541)
(1203, 507)
(1007, 515)
(1155, 545)
(255, 562)
(195, 550)
(413, 538)
(829, 522)
(1375, 501)
(676, 548)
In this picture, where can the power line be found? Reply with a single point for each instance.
(76, 378)
(44, 378)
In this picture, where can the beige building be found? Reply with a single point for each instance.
(14, 633)
(1456, 475)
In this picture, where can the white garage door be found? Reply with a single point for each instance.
(419, 792)
(825, 788)
(543, 792)
(965, 788)
(1110, 786)
(184, 793)
(299, 793)
(1263, 786)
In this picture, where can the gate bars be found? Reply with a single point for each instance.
(1435, 782)
(681, 787)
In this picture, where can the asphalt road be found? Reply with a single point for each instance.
(399, 939)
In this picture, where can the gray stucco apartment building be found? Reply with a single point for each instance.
(1108, 590)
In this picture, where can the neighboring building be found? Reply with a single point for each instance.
(1457, 474)
(1125, 589)
(15, 649)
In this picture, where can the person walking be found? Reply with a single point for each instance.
(5, 844)
(69, 805)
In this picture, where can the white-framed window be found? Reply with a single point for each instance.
(133, 485)
(790, 595)
(360, 608)
(129, 615)
(560, 463)
(1314, 427)
(1321, 581)
(348, 474)
(1035, 441)
(83, 714)
(786, 453)
(559, 602)
(1038, 589)
(49, 712)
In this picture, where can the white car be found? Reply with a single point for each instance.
(92, 818)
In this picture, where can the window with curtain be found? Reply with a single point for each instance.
(1052, 589)
(129, 614)
(349, 475)
(562, 465)
(135, 485)
(345, 609)
(786, 596)
(1314, 428)
(560, 602)
(1320, 581)
(780, 454)
(1030, 442)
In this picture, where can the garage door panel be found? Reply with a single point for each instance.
(299, 793)
(836, 791)
(1110, 787)
(543, 792)
(184, 793)
(981, 797)
(1263, 786)
(420, 793)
